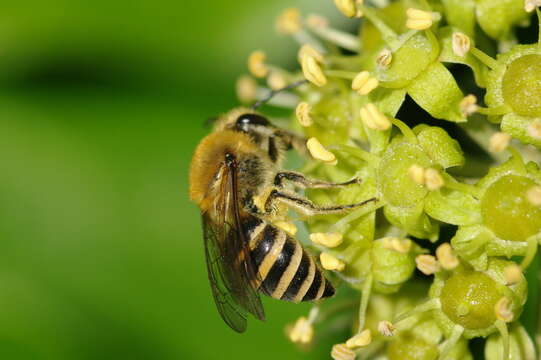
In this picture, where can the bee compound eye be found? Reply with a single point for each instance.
(246, 120)
(229, 158)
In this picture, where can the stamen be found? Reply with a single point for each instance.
(289, 21)
(276, 80)
(530, 5)
(499, 142)
(433, 180)
(386, 328)
(320, 27)
(364, 83)
(312, 70)
(287, 226)
(318, 151)
(427, 264)
(468, 105)
(419, 19)
(461, 44)
(256, 64)
(302, 332)
(342, 352)
(534, 130)
(384, 58)
(503, 310)
(373, 118)
(512, 274)
(446, 256)
(534, 195)
(329, 240)
(303, 114)
(346, 7)
(330, 262)
(417, 174)
(364, 338)
(309, 50)
(246, 89)
(400, 245)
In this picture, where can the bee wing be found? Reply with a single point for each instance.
(230, 269)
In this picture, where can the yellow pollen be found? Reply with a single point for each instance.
(433, 179)
(400, 245)
(346, 7)
(276, 80)
(246, 88)
(303, 114)
(373, 118)
(287, 226)
(384, 58)
(419, 19)
(329, 240)
(256, 64)
(499, 142)
(534, 130)
(289, 21)
(309, 50)
(503, 310)
(302, 332)
(386, 328)
(364, 338)
(342, 352)
(363, 83)
(468, 105)
(317, 21)
(312, 70)
(330, 262)
(446, 256)
(461, 44)
(512, 274)
(534, 195)
(427, 264)
(318, 151)
(417, 174)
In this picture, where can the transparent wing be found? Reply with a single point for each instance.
(230, 268)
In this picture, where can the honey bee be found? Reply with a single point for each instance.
(246, 254)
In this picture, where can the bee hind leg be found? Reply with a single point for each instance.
(306, 207)
(301, 181)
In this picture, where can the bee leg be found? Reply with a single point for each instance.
(301, 181)
(306, 207)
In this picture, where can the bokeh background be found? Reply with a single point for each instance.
(101, 105)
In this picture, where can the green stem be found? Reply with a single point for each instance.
(366, 291)
(388, 35)
(424, 307)
(484, 58)
(349, 75)
(531, 251)
(405, 130)
(343, 224)
(499, 110)
(451, 342)
(452, 184)
(504, 333)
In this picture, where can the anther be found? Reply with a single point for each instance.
(446, 256)
(534, 130)
(329, 240)
(346, 7)
(400, 245)
(534, 195)
(417, 174)
(427, 264)
(461, 44)
(433, 179)
(276, 80)
(289, 21)
(302, 332)
(373, 118)
(363, 83)
(246, 88)
(384, 58)
(512, 274)
(287, 226)
(309, 50)
(312, 70)
(302, 111)
(530, 5)
(318, 151)
(330, 262)
(503, 310)
(256, 64)
(499, 142)
(420, 19)
(364, 338)
(468, 105)
(342, 352)
(386, 328)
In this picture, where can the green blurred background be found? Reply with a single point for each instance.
(101, 105)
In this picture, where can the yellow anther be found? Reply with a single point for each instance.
(364, 338)
(530, 5)
(400, 245)
(386, 328)
(373, 118)
(309, 50)
(342, 352)
(499, 142)
(461, 44)
(417, 174)
(427, 264)
(317, 21)
(302, 332)
(359, 13)
(276, 80)
(384, 58)
(330, 262)
(329, 240)
(346, 7)
(446, 256)
(246, 88)
(303, 114)
(287, 226)
(312, 70)
(363, 83)
(534, 130)
(318, 151)
(468, 105)
(512, 274)
(289, 21)
(534, 195)
(433, 179)
(419, 19)
(256, 64)
(503, 310)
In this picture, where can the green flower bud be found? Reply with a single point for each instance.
(496, 17)
(521, 83)
(393, 260)
(409, 347)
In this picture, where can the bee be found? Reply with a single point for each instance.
(232, 169)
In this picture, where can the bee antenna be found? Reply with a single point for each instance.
(272, 93)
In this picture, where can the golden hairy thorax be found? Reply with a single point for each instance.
(208, 163)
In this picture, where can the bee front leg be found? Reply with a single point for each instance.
(306, 207)
(301, 181)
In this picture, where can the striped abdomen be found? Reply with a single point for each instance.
(286, 271)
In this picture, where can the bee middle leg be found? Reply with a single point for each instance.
(306, 207)
(301, 181)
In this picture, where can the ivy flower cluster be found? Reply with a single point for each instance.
(447, 253)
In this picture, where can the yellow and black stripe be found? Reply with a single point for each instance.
(285, 270)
